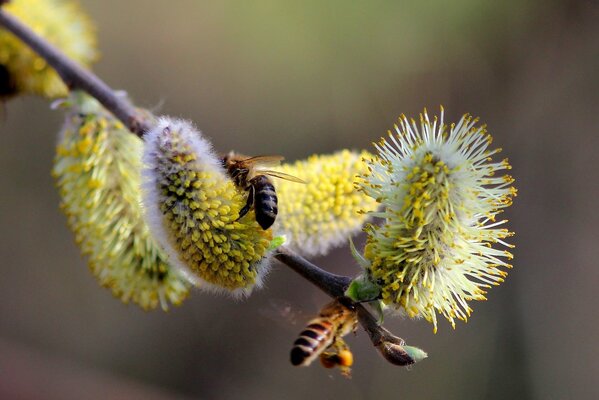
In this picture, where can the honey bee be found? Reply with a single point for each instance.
(323, 337)
(246, 174)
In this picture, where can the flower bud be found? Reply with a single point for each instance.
(397, 353)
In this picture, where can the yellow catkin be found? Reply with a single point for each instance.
(60, 22)
(440, 192)
(193, 209)
(98, 173)
(323, 213)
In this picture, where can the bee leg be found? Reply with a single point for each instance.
(248, 204)
(338, 355)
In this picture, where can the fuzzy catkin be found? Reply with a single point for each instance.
(97, 168)
(440, 192)
(327, 210)
(193, 209)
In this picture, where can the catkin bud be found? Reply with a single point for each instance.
(63, 24)
(394, 350)
(323, 213)
(440, 194)
(193, 209)
(98, 173)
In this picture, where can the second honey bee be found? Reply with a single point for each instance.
(323, 337)
(247, 175)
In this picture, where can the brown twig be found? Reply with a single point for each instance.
(76, 77)
(333, 285)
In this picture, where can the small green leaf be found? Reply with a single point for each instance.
(361, 289)
(364, 263)
(379, 308)
(276, 242)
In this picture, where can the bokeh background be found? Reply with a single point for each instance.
(296, 78)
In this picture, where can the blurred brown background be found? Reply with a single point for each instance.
(295, 78)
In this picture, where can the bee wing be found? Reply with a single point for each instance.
(284, 313)
(281, 175)
(264, 160)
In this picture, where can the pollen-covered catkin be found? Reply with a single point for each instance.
(98, 173)
(193, 209)
(325, 211)
(60, 22)
(440, 194)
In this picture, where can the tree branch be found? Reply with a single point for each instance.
(76, 77)
(333, 285)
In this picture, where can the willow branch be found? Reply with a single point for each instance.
(331, 284)
(77, 77)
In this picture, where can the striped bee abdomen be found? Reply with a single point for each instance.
(265, 201)
(312, 341)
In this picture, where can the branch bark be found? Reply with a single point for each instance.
(333, 285)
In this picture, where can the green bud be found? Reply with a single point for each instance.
(415, 353)
(394, 350)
